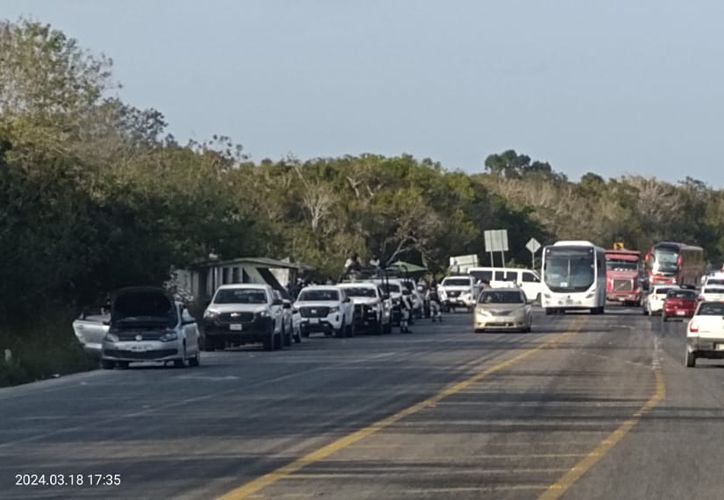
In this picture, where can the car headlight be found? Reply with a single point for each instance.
(111, 337)
(334, 310)
(263, 314)
(211, 314)
(169, 336)
(483, 312)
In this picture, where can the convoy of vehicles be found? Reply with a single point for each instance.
(623, 277)
(574, 277)
(671, 263)
(502, 309)
(147, 324)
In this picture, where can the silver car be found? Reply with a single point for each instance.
(502, 309)
(146, 324)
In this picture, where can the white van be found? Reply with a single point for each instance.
(526, 279)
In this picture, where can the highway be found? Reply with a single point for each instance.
(583, 407)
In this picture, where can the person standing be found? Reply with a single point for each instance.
(352, 264)
(406, 310)
(434, 298)
(375, 261)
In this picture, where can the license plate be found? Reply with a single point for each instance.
(235, 327)
(138, 347)
(314, 321)
(681, 313)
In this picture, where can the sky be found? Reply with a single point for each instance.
(614, 87)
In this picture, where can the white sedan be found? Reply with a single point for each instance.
(705, 333)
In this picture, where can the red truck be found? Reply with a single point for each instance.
(623, 277)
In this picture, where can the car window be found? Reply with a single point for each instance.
(240, 296)
(501, 297)
(714, 290)
(662, 291)
(529, 277)
(319, 295)
(360, 291)
(711, 309)
(681, 294)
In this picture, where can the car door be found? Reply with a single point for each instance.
(190, 329)
(277, 310)
(90, 331)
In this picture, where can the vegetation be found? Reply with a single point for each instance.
(95, 195)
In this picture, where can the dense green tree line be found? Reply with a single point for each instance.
(94, 195)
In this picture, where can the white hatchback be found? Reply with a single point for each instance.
(654, 302)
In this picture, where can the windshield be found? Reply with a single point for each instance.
(681, 294)
(715, 281)
(392, 287)
(456, 282)
(711, 309)
(240, 296)
(665, 261)
(569, 269)
(143, 307)
(661, 291)
(319, 295)
(621, 265)
(360, 292)
(501, 297)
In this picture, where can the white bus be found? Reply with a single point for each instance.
(574, 277)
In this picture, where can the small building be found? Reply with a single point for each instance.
(199, 283)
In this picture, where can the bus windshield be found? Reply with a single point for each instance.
(665, 261)
(569, 269)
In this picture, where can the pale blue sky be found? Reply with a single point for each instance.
(624, 86)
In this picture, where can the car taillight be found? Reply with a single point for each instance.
(694, 328)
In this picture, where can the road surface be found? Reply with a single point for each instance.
(583, 407)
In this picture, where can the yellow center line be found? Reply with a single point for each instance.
(255, 485)
(558, 488)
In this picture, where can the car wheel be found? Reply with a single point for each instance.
(210, 345)
(107, 364)
(196, 360)
(287, 337)
(480, 330)
(279, 341)
(341, 330)
(387, 328)
(690, 359)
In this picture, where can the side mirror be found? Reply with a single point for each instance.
(277, 302)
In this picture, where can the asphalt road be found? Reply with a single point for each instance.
(583, 407)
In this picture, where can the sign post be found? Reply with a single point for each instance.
(533, 246)
(496, 240)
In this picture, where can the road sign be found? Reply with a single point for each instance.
(496, 240)
(533, 245)
(461, 263)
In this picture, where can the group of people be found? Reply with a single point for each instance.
(353, 264)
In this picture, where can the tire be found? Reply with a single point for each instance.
(690, 359)
(664, 318)
(210, 345)
(107, 364)
(387, 329)
(286, 337)
(268, 343)
(480, 330)
(340, 333)
(379, 327)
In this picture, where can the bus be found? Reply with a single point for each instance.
(671, 263)
(574, 277)
(624, 273)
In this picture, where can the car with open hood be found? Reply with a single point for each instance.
(502, 309)
(147, 324)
